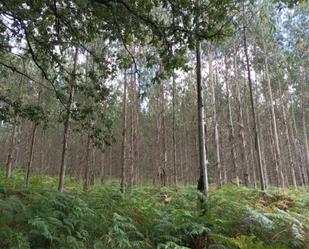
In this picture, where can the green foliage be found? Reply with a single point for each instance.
(102, 218)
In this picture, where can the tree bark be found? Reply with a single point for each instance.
(294, 133)
(102, 166)
(124, 135)
(12, 146)
(136, 131)
(280, 179)
(87, 165)
(29, 163)
(203, 179)
(163, 175)
(305, 128)
(174, 131)
(255, 127)
(66, 126)
(240, 121)
(32, 142)
(231, 125)
(288, 140)
(133, 131)
(214, 115)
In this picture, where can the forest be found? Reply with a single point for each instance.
(142, 124)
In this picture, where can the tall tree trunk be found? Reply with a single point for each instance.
(250, 148)
(203, 179)
(124, 135)
(214, 115)
(163, 156)
(187, 160)
(102, 166)
(263, 150)
(158, 135)
(131, 139)
(280, 182)
(287, 137)
(305, 133)
(89, 148)
(66, 126)
(135, 131)
(13, 137)
(294, 133)
(255, 127)
(111, 161)
(87, 164)
(29, 163)
(174, 131)
(231, 125)
(32, 142)
(240, 121)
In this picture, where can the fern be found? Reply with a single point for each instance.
(105, 218)
(171, 245)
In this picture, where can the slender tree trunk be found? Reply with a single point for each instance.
(174, 131)
(32, 142)
(304, 126)
(110, 173)
(258, 119)
(203, 179)
(12, 146)
(263, 147)
(158, 135)
(163, 136)
(255, 127)
(89, 149)
(288, 140)
(135, 131)
(251, 160)
(240, 121)
(214, 114)
(294, 133)
(102, 166)
(66, 128)
(124, 135)
(182, 155)
(133, 136)
(91, 167)
(231, 125)
(131, 140)
(187, 160)
(29, 163)
(87, 164)
(279, 172)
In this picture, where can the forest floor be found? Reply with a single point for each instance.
(149, 217)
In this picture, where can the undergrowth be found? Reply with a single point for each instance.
(103, 218)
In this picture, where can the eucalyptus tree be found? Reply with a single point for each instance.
(170, 29)
(174, 103)
(253, 109)
(38, 116)
(93, 109)
(19, 104)
(232, 137)
(207, 20)
(66, 121)
(124, 134)
(299, 38)
(15, 123)
(214, 115)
